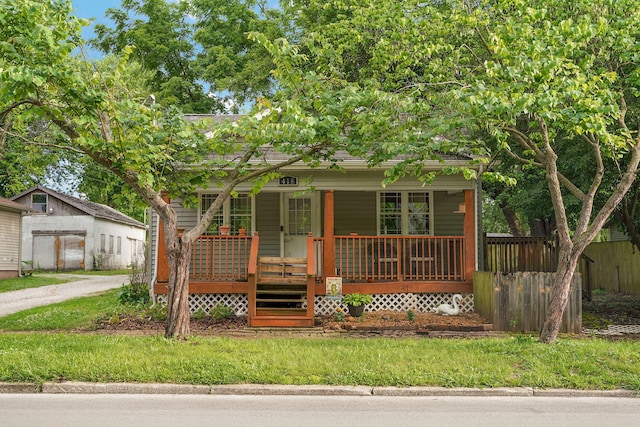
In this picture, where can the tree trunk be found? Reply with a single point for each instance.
(567, 262)
(178, 312)
(512, 220)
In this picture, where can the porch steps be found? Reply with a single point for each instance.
(281, 293)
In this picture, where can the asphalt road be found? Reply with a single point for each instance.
(310, 411)
(14, 301)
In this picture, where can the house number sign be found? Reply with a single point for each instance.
(288, 180)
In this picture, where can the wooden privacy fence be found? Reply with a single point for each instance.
(617, 267)
(518, 302)
(514, 254)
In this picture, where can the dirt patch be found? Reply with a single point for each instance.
(603, 310)
(379, 321)
(407, 320)
(606, 309)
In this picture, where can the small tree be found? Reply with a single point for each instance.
(99, 114)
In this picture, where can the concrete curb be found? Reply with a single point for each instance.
(73, 387)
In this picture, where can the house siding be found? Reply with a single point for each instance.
(355, 212)
(9, 244)
(445, 221)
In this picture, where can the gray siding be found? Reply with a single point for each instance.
(445, 221)
(355, 212)
(152, 249)
(267, 217)
(187, 217)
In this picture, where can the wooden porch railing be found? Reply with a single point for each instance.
(401, 258)
(220, 258)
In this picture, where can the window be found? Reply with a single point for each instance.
(111, 244)
(119, 247)
(300, 212)
(236, 212)
(39, 202)
(404, 212)
(103, 243)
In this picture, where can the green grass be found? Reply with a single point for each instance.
(19, 283)
(508, 362)
(514, 361)
(67, 315)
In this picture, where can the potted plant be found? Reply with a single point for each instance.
(356, 303)
(224, 230)
(242, 228)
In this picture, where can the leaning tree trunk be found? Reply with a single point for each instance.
(567, 262)
(178, 313)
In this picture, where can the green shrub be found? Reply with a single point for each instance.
(134, 294)
(156, 312)
(221, 311)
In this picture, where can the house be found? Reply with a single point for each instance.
(10, 230)
(63, 232)
(408, 245)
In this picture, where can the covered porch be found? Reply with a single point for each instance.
(373, 264)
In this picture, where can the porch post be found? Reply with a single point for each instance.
(469, 234)
(329, 247)
(162, 268)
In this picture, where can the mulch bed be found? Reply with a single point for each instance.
(603, 310)
(371, 323)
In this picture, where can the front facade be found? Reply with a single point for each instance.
(67, 233)
(10, 230)
(408, 245)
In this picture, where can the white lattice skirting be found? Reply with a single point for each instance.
(419, 303)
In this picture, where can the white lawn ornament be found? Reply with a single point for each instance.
(447, 310)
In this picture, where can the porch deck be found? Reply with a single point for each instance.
(367, 264)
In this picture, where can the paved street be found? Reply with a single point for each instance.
(310, 411)
(12, 302)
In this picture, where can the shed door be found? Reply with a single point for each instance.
(58, 252)
(72, 253)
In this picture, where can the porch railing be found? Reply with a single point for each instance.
(220, 258)
(401, 258)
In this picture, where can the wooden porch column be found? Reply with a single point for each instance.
(329, 247)
(469, 234)
(162, 268)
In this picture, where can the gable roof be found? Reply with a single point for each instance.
(346, 160)
(93, 209)
(13, 206)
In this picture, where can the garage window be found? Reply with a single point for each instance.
(39, 202)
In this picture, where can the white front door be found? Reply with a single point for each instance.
(301, 217)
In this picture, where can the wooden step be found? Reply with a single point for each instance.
(281, 292)
(280, 311)
(281, 321)
(281, 300)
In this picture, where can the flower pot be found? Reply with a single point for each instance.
(355, 310)
(224, 230)
(242, 231)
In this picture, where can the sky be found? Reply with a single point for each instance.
(93, 9)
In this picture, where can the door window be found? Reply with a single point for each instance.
(299, 216)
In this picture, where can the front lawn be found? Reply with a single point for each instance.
(73, 352)
(518, 361)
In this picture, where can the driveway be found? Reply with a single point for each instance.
(12, 302)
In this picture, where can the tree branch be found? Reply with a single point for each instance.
(526, 143)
